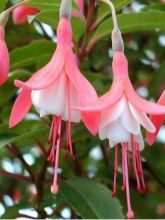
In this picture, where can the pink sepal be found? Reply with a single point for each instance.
(21, 107)
(21, 13)
(85, 91)
(4, 58)
(157, 120)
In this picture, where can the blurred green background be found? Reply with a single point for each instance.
(86, 182)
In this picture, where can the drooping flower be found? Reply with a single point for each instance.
(157, 120)
(53, 89)
(123, 113)
(20, 14)
(4, 54)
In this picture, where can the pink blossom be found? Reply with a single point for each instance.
(21, 13)
(157, 120)
(52, 90)
(122, 114)
(4, 57)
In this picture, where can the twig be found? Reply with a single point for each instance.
(39, 187)
(151, 171)
(26, 216)
(41, 147)
(90, 15)
(15, 176)
(104, 149)
(16, 152)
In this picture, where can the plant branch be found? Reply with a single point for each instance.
(26, 216)
(90, 15)
(151, 171)
(15, 176)
(104, 149)
(16, 152)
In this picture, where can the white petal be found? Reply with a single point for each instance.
(112, 144)
(103, 132)
(112, 113)
(142, 118)
(51, 99)
(116, 133)
(139, 140)
(43, 113)
(128, 121)
(72, 100)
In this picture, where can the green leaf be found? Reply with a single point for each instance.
(11, 212)
(3, 4)
(28, 136)
(157, 7)
(49, 4)
(91, 199)
(156, 81)
(131, 22)
(9, 87)
(155, 159)
(30, 54)
(50, 17)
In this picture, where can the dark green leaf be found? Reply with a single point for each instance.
(3, 4)
(133, 22)
(91, 199)
(28, 55)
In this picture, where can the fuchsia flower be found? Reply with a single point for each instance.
(21, 13)
(122, 114)
(52, 90)
(157, 120)
(4, 57)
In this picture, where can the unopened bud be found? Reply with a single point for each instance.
(65, 9)
(117, 41)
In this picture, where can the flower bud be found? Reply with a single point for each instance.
(65, 9)
(117, 41)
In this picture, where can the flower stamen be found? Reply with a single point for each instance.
(130, 213)
(115, 171)
(56, 146)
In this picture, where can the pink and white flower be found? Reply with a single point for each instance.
(123, 113)
(52, 90)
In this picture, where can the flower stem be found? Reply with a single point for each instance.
(16, 152)
(114, 17)
(15, 176)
